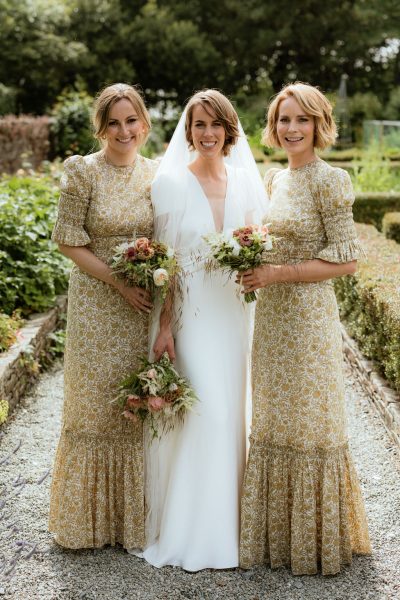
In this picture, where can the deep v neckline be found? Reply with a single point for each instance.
(205, 197)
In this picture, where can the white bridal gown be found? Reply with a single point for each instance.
(195, 472)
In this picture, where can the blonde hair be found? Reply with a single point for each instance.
(314, 103)
(109, 96)
(224, 111)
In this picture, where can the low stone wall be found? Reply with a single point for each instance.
(384, 399)
(20, 364)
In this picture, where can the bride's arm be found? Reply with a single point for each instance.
(165, 340)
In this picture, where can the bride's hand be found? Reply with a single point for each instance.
(164, 343)
(257, 278)
(136, 297)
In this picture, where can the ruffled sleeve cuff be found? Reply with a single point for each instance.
(342, 252)
(70, 235)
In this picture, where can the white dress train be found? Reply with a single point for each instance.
(195, 472)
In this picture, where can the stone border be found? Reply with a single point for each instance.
(18, 366)
(384, 399)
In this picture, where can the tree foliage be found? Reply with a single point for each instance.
(178, 46)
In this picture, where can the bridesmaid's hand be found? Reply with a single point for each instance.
(164, 343)
(257, 278)
(137, 297)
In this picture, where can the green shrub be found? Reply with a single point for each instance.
(370, 208)
(363, 106)
(392, 111)
(369, 302)
(72, 128)
(8, 328)
(8, 100)
(391, 226)
(4, 408)
(373, 172)
(32, 271)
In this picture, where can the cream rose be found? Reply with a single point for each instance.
(160, 277)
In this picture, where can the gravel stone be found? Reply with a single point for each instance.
(33, 567)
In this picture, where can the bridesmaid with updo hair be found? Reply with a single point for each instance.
(97, 488)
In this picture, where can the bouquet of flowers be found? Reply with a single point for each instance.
(147, 264)
(158, 393)
(239, 250)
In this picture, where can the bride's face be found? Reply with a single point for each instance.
(207, 131)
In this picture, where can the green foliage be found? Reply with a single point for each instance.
(391, 226)
(392, 110)
(4, 408)
(8, 100)
(8, 328)
(370, 208)
(178, 46)
(32, 271)
(363, 106)
(72, 127)
(369, 302)
(373, 173)
(39, 52)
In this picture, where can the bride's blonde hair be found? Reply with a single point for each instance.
(314, 103)
(224, 111)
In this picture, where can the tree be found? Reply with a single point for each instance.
(37, 58)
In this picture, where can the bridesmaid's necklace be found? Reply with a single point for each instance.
(109, 162)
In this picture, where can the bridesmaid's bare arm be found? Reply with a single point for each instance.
(91, 264)
(309, 271)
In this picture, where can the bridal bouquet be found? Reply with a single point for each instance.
(157, 393)
(239, 250)
(147, 264)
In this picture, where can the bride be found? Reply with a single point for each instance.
(207, 182)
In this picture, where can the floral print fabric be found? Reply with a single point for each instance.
(97, 487)
(302, 504)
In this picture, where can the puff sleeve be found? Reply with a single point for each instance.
(268, 178)
(335, 199)
(73, 204)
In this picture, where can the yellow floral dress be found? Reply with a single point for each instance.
(97, 487)
(301, 503)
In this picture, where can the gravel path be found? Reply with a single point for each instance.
(32, 567)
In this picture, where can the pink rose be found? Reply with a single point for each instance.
(145, 253)
(245, 240)
(130, 416)
(133, 401)
(156, 403)
(142, 244)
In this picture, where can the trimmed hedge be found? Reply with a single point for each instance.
(370, 208)
(391, 226)
(369, 302)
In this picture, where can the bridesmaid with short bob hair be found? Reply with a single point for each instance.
(302, 505)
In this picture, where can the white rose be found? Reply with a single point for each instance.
(122, 247)
(268, 244)
(236, 247)
(160, 277)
